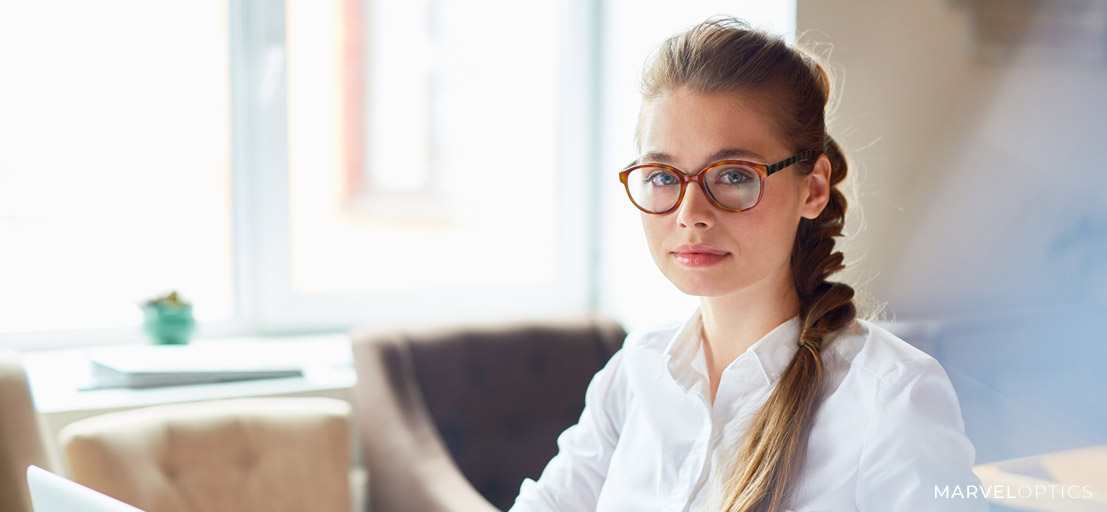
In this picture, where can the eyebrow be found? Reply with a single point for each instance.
(722, 154)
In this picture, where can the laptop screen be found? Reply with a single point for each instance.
(52, 493)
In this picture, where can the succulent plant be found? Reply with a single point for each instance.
(170, 299)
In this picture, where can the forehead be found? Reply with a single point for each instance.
(689, 129)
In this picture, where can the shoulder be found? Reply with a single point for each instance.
(908, 422)
(612, 390)
(895, 381)
(654, 338)
(870, 349)
(651, 340)
(641, 347)
(637, 363)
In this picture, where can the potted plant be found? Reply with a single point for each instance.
(168, 319)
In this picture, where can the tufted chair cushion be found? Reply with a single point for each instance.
(261, 454)
(20, 438)
(468, 412)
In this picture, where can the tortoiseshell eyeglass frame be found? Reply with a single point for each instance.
(763, 170)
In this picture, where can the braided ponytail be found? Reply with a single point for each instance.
(772, 452)
(724, 54)
(824, 306)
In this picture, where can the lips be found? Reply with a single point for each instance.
(699, 255)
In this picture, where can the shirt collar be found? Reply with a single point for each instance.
(687, 363)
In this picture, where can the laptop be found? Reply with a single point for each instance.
(52, 493)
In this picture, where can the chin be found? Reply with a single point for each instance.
(702, 285)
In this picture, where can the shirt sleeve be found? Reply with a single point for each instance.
(916, 453)
(572, 480)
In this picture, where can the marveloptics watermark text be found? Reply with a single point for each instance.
(1001, 492)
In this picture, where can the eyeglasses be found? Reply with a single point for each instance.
(730, 185)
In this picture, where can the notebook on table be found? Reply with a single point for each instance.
(52, 493)
(147, 366)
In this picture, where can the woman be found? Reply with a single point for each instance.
(772, 396)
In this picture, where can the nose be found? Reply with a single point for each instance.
(696, 210)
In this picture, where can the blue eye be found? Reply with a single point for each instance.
(661, 178)
(735, 176)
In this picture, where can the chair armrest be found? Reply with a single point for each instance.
(394, 425)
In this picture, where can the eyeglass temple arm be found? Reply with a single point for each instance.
(802, 156)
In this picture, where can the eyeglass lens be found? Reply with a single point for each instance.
(657, 189)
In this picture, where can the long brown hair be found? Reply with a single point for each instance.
(726, 55)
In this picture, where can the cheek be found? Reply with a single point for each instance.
(765, 234)
(652, 228)
(780, 215)
(786, 196)
(656, 229)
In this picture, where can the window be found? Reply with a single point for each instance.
(452, 184)
(114, 161)
(305, 166)
(454, 181)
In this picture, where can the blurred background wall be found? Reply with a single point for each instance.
(976, 130)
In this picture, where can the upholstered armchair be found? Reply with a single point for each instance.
(454, 418)
(21, 442)
(258, 454)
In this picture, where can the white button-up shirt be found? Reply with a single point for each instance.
(887, 437)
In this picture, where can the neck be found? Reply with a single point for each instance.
(734, 322)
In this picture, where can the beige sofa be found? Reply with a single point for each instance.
(21, 443)
(245, 455)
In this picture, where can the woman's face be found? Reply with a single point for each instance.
(706, 251)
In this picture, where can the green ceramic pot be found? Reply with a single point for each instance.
(168, 324)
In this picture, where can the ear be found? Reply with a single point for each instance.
(816, 189)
